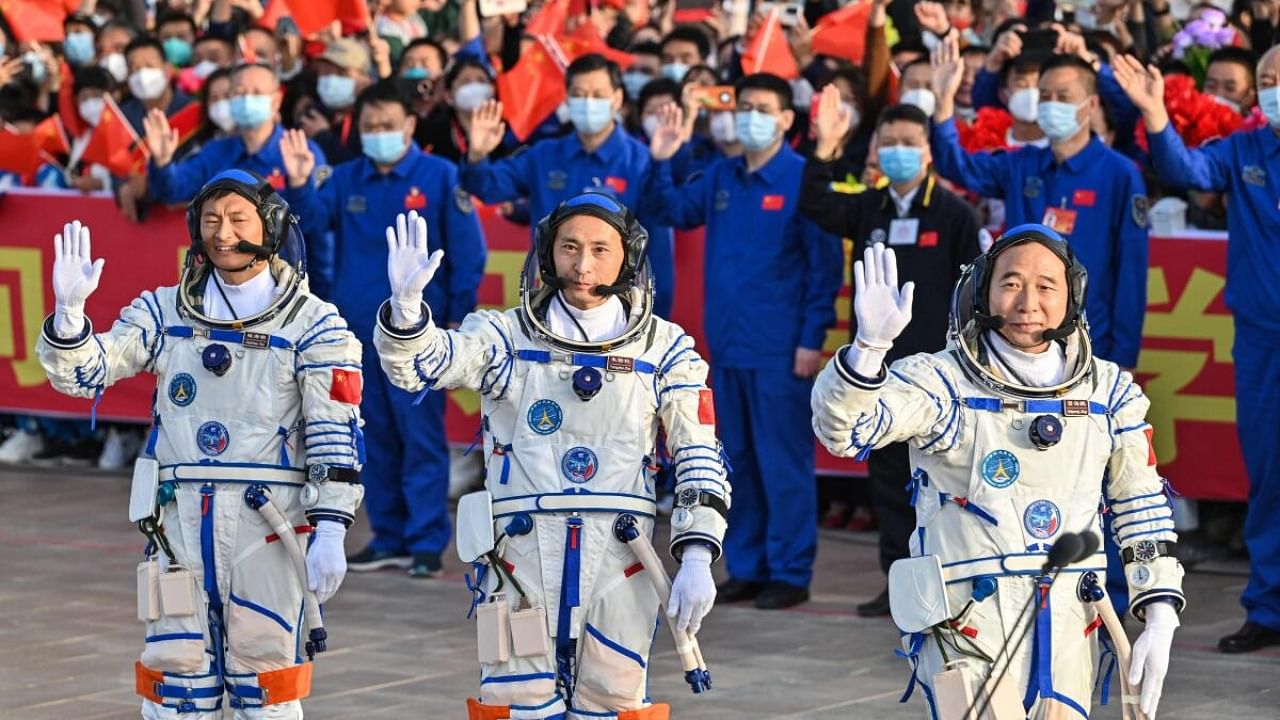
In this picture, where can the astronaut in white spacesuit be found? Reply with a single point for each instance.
(1013, 428)
(574, 384)
(255, 445)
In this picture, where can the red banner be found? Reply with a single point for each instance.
(1185, 366)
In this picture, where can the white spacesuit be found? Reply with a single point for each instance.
(1011, 451)
(571, 406)
(256, 429)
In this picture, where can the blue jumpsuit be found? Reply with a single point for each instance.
(771, 283)
(1246, 165)
(555, 169)
(407, 469)
(179, 181)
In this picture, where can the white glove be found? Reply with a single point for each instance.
(1150, 657)
(326, 559)
(75, 277)
(883, 310)
(693, 592)
(409, 267)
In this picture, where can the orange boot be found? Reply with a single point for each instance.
(660, 711)
(479, 711)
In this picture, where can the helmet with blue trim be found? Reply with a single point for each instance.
(634, 285)
(971, 314)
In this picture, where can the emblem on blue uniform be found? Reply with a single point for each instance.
(545, 417)
(579, 464)
(212, 438)
(722, 200)
(182, 390)
(1254, 175)
(557, 179)
(1032, 186)
(1000, 468)
(1042, 519)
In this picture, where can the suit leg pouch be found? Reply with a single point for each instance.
(493, 640)
(148, 590)
(529, 636)
(177, 593)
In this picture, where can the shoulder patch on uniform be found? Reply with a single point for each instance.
(462, 199)
(1139, 204)
(321, 175)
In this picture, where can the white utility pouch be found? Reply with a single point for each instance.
(529, 637)
(474, 526)
(142, 494)
(954, 689)
(149, 590)
(493, 641)
(177, 593)
(918, 593)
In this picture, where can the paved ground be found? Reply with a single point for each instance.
(401, 649)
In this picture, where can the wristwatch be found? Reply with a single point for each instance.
(690, 498)
(321, 473)
(1147, 551)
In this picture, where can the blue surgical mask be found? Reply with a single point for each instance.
(675, 71)
(755, 130)
(78, 47)
(590, 115)
(336, 91)
(901, 163)
(384, 148)
(415, 73)
(1269, 102)
(177, 51)
(250, 111)
(1058, 119)
(634, 82)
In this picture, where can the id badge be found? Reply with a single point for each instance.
(903, 231)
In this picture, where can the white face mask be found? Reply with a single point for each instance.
(723, 128)
(1235, 106)
(117, 66)
(91, 110)
(922, 98)
(562, 112)
(1024, 105)
(471, 96)
(204, 68)
(148, 83)
(220, 114)
(650, 124)
(852, 112)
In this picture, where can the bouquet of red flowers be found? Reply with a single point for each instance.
(988, 131)
(1195, 116)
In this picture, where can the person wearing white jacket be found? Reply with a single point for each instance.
(255, 445)
(574, 385)
(1018, 437)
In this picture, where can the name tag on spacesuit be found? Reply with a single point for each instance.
(903, 231)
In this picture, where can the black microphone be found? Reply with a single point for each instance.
(252, 249)
(1091, 544)
(1066, 550)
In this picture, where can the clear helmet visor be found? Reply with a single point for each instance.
(536, 295)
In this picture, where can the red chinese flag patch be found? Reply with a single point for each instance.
(616, 184)
(415, 200)
(1151, 447)
(706, 408)
(772, 202)
(1084, 198)
(345, 386)
(929, 239)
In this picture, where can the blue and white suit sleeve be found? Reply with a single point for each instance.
(1135, 493)
(916, 400)
(685, 406)
(1208, 168)
(984, 173)
(86, 365)
(480, 355)
(329, 357)
(664, 202)
(495, 182)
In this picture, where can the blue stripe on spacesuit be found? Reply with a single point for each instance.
(307, 336)
(1041, 682)
(261, 610)
(623, 651)
(569, 599)
(231, 336)
(497, 679)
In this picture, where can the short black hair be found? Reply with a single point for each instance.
(383, 92)
(904, 113)
(426, 42)
(93, 77)
(769, 82)
(81, 19)
(1021, 65)
(462, 63)
(648, 47)
(689, 33)
(119, 24)
(172, 16)
(1238, 56)
(593, 62)
(916, 63)
(856, 80)
(1056, 62)
(974, 50)
(145, 41)
(215, 38)
(658, 86)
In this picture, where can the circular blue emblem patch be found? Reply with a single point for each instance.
(999, 468)
(545, 417)
(579, 464)
(1042, 519)
(212, 438)
(182, 390)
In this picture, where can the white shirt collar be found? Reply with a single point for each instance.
(603, 322)
(248, 298)
(903, 202)
(1043, 369)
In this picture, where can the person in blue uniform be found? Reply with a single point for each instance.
(1088, 193)
(771, 283)
(407, 480)
(1246, 166)
(255, 146)
(597, 155)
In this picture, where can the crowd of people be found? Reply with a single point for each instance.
(927, 127)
